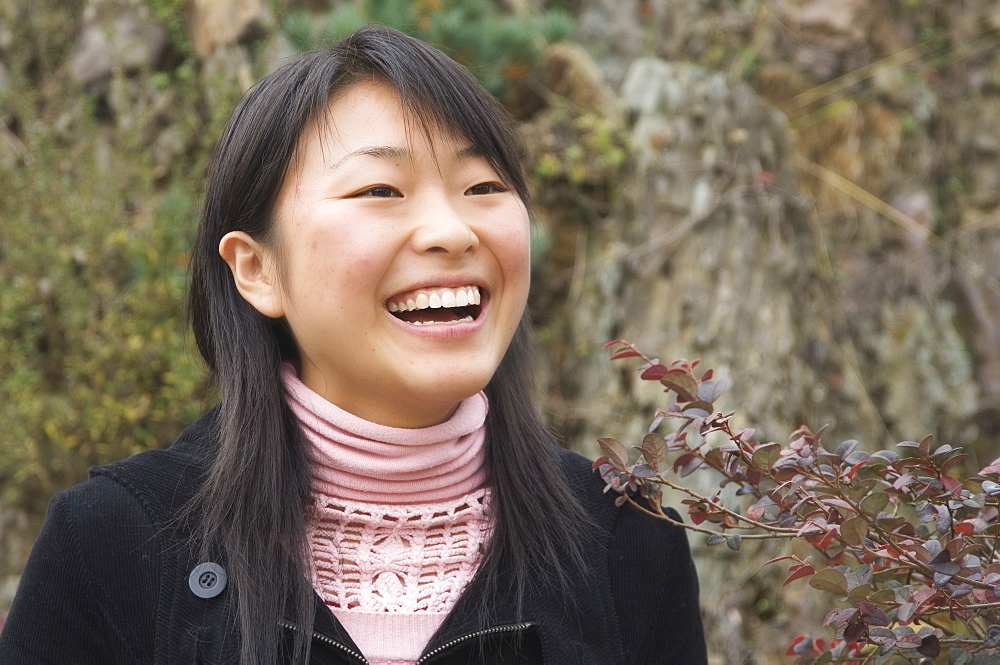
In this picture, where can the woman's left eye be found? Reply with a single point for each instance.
(378, 191)
(485, 188)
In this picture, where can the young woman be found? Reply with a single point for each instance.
(375, 484)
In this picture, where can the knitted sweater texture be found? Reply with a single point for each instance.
(400, 520)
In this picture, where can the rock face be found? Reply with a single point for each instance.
(705, 255)
(815, 215)
(116, 34)
(216, 23)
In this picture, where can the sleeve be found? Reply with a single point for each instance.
(655, 589)
(63, 611)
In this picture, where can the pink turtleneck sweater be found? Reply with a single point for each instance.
(400, 519)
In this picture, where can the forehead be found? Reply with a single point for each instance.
(373, 115)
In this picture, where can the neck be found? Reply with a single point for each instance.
(360, 460)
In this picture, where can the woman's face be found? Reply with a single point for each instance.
(404, 263)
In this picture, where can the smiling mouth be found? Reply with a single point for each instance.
(436, 306)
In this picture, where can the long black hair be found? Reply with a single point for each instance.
(254, 503)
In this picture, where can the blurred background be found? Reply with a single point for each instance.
(804, 194)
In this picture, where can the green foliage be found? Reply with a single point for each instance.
(498, 48)
(171, 13)
(95, 360)
(904, 542)
(586, 148)
(578, 156)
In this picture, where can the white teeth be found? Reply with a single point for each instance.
(436, 298)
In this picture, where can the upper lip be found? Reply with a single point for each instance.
(447, 281)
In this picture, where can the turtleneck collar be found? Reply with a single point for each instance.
(358, 460)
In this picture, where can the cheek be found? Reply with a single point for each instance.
(514, 253)
(337, 256)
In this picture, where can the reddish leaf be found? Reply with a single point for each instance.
(615, 451)
(880, 635)
(991, 468)
(872, 614)
(925, 597)
(854, 632)
(824, 541)
(905, 612)
(799, 573)
(903, 481)
(829, 579)
(644, 471)
(799, 646)
(961, 591)
(687, 464)
(681, 383)
(654, 372)
(873, 504)
(930, 647)
(844, 506)
(698, 407)
(854, 530)
(765, 508)
(765, 456)
(943, 567)
(710, 391)
(964, 528)
(653, 448)
(625, 353)
(952, 461)
(840, 616)
(950, 484)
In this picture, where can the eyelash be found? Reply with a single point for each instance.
(371, 192)
(386, 191)
(495, 188)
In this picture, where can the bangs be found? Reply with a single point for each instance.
(438, 94)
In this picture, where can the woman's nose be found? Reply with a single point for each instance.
(444, 229)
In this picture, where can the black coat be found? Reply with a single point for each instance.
(108, 582)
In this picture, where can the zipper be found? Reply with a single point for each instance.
(430, 654)
(327, 640)
(470, 636)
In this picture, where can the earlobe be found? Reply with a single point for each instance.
(253, 272)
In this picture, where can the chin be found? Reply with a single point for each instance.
(448, 393)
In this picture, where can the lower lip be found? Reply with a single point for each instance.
(446, 330)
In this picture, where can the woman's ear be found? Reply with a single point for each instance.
(253, 272)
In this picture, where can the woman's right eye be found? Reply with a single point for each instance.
(379, 192)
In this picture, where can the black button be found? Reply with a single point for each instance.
(207, 580)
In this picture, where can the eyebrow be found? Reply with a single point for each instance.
(399, 153)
